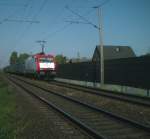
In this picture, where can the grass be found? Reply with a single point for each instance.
(7, 111)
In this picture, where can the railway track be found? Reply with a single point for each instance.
(99, 123)
(134, 111)
(62, 126)
(145, 101)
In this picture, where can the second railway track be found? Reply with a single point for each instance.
(135, 111)
(105, 124)
(145, 101)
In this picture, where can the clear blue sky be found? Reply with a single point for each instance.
(125, 22)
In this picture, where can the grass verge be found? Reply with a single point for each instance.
(7, 110)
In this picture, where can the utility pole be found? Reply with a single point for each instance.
(99, 10)
(42, 42)
(101, 54)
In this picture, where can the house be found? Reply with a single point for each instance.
(113, 52)
(77, 60)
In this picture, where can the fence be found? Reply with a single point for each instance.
(133, 72)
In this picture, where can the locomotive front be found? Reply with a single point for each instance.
(46, 65)
(40, 65)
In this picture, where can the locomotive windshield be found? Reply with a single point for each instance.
(46, 63)
(43, 60)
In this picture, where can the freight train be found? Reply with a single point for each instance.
(39, 66)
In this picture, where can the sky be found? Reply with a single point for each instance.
(24, 22)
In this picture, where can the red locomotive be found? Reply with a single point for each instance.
(40, 65)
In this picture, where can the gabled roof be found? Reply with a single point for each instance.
(114, 52)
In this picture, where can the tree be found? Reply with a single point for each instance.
(22, 57)
(13, 58)
(60, 59)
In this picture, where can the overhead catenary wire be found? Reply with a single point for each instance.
(12, 14)
(30, 24)
(51, 34)
(85, 14)
(92, 8)
(21, 20)
(56, 17)
(12, 4)
(75, 22)
(11, 18)
(57, 31)
(28, 8)
(41, 8)
(82, 17)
